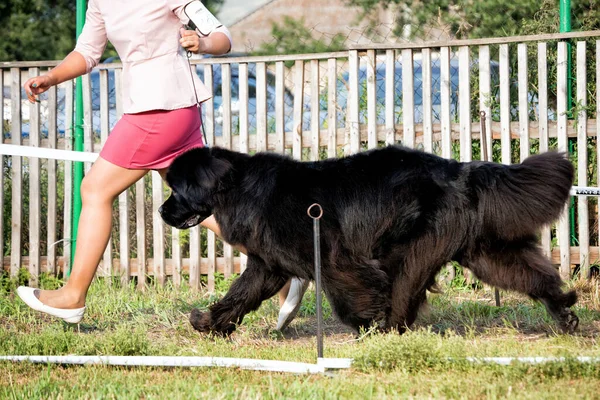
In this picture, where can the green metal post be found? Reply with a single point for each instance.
(565, 26)
(78, 146)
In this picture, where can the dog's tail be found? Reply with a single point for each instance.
(519, 199)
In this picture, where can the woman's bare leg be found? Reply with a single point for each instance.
(99, 188)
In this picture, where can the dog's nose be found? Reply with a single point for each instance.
(160, 210)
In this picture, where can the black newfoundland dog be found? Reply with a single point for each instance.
(393, 217)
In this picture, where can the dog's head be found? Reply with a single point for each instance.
(194, 178)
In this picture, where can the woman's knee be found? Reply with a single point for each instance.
(92, 191)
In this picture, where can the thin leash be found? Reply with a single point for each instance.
(202, 131)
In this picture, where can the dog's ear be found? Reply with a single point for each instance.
(196, 169)
(209, 172)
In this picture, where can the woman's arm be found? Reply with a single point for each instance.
(216, 43)
(87, 53)
(72, 66)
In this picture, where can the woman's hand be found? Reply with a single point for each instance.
(38, 85)
(190, 40)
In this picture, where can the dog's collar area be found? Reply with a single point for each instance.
(191, 222)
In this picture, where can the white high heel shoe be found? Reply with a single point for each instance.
(292, 303)
(72, 316)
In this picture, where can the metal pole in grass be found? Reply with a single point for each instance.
(317, 241)
(565, 26)
(78, 166)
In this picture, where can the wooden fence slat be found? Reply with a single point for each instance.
(523, 85)
(243, 118)
(561, 111)
(408, 98)
(315, 122)
(2, 209)
(390, 94)
(243, 101)
(104, 106)
(582, 162)
(371, 84)
(228, 255)
(158, 229)
(226, 95)
(140, 234)
(427, 101)
(542, 61)
(34, 190)
(51, 182)
(208, 108)
(195, 257)
(280, 107)
(16, 174)
(331, 108)
(464, 93)
(195, 232)
(445, 90)
(176, 257)
(353, 120)
(261, 107)
(88, 139)
(298, 109)
(505, 104)
(598, 127)
(123, 229)
(106, 269)
(124, 256)
(212, 259)
(227, 132)
(485, 96)
(68, 183)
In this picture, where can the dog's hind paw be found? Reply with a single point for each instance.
(570, 324)
(201, 321)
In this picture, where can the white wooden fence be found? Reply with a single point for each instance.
(308, 106)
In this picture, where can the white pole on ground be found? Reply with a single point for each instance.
(162, 361)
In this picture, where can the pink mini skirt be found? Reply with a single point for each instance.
(153, 139)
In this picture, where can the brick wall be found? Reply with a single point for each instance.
(324, 16)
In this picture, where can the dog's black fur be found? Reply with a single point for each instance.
(393, 217)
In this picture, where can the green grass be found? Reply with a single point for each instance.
(426, 362)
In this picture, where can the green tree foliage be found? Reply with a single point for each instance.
(36, 30)
(292, 36)
(481, 18)
(32, 30)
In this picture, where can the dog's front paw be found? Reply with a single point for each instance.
(203, 322)
(200, 321)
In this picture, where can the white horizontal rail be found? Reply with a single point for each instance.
(171, 361)
(529, 360)
(40, 152)
(257, 365)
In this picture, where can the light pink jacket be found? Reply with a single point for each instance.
(145, 33)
